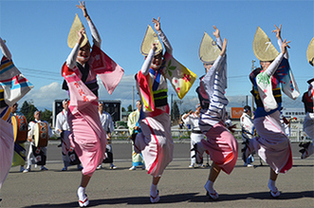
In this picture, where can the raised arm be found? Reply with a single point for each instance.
(71, 60)
(279, 39)
(95, 34)
(5, 50)
(216, 33)
(275, 64)
(148, 60)
(162, 36)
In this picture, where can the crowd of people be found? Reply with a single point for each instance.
(85, 129)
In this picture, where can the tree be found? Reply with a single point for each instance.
(175, 113)
(28, 110)
(130, 109)
(123, 109)
(46, 115)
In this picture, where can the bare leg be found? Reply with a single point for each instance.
(214, 172)
(84, 181)
(272, 184)
(273, 176)
(156, 180)
(154, 196)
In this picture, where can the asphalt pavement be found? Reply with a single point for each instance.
(179, 185)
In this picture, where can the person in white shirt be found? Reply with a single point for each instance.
(192, 118)
(63, 128)
(247, 131)
(35, 153)
(108, 126)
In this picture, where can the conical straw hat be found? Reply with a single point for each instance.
(310, 52)
(263, 49)
(73, 37)
(208, 51)
(150, 38)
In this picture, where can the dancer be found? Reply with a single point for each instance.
(247, 131)
(80, 70)
(155, 141)
(134, 127)
(13, 86)
(192, 118)
(272, 144)
(308, 100)
(220, 143)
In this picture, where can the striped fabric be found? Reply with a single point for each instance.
(214, 84)
(14, 84)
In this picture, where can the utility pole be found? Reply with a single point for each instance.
(252, 107)
(133, 99)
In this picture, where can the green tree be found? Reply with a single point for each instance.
(123, 109)
(130, 109)
(28, 110)
(175, 113)
(46, 115)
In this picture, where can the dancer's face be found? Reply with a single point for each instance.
(157, 61)
(207, 67)
(83, 54)
(265, 64)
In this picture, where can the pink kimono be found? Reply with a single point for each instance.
(88, 137)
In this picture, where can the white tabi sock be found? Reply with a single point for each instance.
(272, 185)
(209, 186)
(153, 190)
(81, 193)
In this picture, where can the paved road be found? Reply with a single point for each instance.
(179, 186)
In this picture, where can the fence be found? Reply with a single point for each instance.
(296, 132)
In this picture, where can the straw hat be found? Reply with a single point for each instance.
(209, 50)
(263, 49)
(72, 38)
(150, 38)
(310, 52)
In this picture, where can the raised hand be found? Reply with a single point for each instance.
(157, 24)
(216, 33)
(80, 35)
(284, 46)
(277, 31)
(83, 8)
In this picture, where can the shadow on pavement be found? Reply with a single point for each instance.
(189, 197)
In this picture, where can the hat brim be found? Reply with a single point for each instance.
(310, 52)
(150, 38)
(75, 28)
(263, 49)
(209, 50)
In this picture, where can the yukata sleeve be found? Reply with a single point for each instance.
(165, 41)
(286, 55)
(95, 34)
(147, 62)
(58, 123)
(219, 42)
(274, 65)
(5, 50)
(71, 60)
(187, 120)
(131, 123)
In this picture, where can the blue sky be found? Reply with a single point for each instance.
(36, 34)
